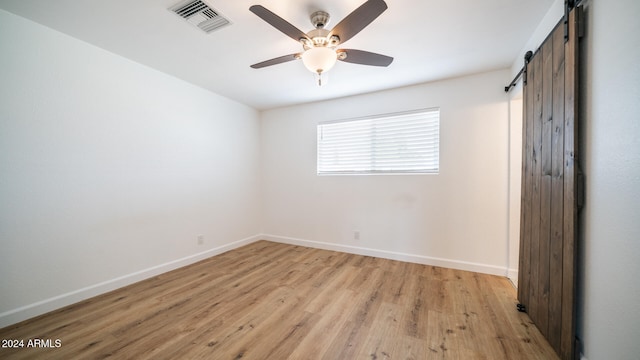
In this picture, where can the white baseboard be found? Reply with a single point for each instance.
(392, 255)
(512, 274)
(41, 307)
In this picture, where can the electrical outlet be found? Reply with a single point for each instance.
(356, 235)
(200, 239)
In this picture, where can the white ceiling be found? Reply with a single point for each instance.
(429, 40)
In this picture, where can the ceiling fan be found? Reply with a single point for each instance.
(319, 45)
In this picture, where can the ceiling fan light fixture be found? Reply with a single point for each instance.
(319, 59)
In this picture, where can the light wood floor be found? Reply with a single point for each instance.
(275, 301)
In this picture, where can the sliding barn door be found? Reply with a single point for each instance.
(548, 234)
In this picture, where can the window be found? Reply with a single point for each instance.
(405, 142)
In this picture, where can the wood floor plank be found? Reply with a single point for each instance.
(334, 316)
(276, 301)
(380, 344)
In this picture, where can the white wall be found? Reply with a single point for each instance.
(609, 288)
(457, 218)
(109, 170)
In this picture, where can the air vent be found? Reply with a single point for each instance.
(200, 14)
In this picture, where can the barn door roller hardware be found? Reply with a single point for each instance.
(523, 72)
(568, 6)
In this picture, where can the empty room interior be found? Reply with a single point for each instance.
(207, 179)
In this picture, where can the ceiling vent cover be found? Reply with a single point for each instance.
(200, 14)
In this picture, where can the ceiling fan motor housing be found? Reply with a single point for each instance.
(319, 19)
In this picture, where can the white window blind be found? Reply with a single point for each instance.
(405, 142)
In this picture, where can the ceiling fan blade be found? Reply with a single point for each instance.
(275, 61)
(278, 22)
(364, 57)
(358, 19)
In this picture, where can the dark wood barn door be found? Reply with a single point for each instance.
(548, 234)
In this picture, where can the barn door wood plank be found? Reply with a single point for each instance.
(545, 188)
(524, 263)
(535, 189)
(570, 185)
(557, 193)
